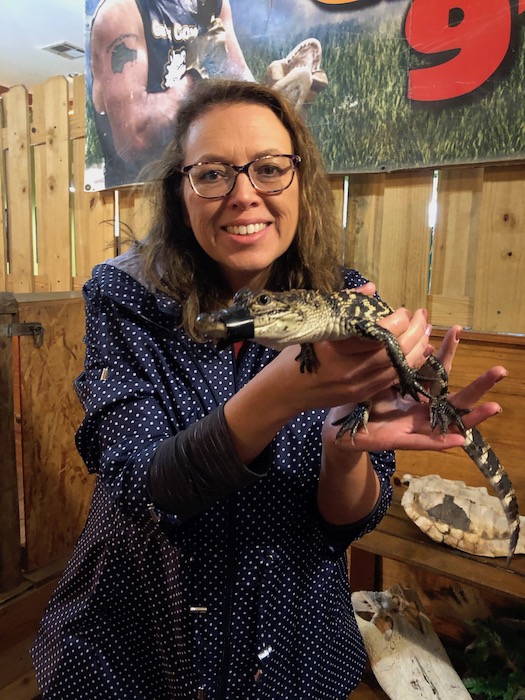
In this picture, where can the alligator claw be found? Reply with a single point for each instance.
(443, 414)
(307, 358)
(353, 421)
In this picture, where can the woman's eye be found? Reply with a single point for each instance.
(269, 171)
(212, 175)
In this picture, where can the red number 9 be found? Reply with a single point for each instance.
(478, 31)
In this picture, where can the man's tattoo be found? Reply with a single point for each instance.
(120, 53)
(120, 56)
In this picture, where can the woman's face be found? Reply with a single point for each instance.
(237, 134)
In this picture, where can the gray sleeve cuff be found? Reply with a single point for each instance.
(198, 466)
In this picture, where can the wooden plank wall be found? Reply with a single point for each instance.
(468, 269)
(473, 260)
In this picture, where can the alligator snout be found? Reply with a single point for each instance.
(227, 325)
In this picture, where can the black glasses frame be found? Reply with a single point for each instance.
(295, 160)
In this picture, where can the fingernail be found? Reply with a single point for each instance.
(502, 376)
(428, 329)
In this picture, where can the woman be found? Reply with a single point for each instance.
(213, 563)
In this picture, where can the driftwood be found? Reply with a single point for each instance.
(463, 517)
(406, 656)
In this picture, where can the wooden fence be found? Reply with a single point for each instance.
(469, 268)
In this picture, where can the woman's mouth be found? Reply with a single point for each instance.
(246, 230)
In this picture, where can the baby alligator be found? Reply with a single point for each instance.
(279, 319)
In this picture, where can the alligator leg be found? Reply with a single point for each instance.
(351, 423)
(307, 358)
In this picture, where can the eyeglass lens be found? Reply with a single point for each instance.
(268, 174)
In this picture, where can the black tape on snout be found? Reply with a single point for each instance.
(239, 326)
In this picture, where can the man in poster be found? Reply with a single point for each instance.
(145, 57)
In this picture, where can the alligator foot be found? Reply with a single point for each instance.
(353, 421)
(307, 358)
(413, 383)
(443, 414)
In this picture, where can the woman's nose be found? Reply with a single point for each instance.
(243, 191)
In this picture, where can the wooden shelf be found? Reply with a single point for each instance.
(398, 538)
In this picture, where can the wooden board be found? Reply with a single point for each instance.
(450, 604)
(93, 213)
(499, 298)
(10, 559)
(456, 232)
(3, 194)
(56, 482)
(399, 539)
(388, 231)
(19, 191)
(52, 164)
(19, 619)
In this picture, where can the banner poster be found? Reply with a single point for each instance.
(384, 84)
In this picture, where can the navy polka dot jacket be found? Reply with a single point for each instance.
(249, 599)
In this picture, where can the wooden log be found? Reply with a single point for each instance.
(405, 653)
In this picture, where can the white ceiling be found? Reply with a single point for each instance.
(28, 25)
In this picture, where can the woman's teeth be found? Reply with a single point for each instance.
(245, 230)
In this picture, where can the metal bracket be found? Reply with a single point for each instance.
(35, 329)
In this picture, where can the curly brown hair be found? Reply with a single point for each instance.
(175, 262)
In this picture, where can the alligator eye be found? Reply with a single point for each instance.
(263, 299)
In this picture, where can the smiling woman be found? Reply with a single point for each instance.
(218, 224)
(212, 565)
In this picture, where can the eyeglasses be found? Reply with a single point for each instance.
(269, 175)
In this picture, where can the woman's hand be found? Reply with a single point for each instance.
(397, 422)
(348, 486)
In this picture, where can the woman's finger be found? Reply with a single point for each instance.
(448, 347)
(473, 392)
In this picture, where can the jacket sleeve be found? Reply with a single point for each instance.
(339, 537)
(198, 466)
(132, 410)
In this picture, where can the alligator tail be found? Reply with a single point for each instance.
(484, 457)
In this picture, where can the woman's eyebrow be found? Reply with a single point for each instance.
(214, 158)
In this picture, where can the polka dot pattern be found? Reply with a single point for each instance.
(250, 599)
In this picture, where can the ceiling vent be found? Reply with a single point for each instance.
(66, 50)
